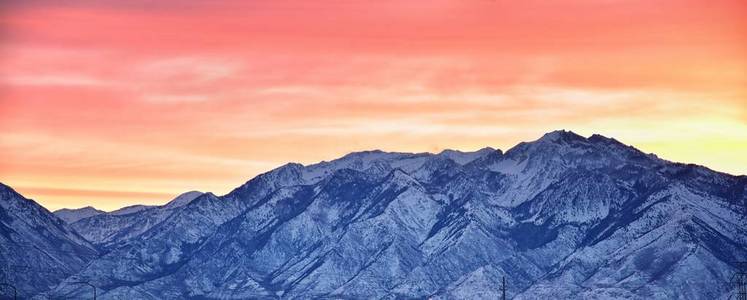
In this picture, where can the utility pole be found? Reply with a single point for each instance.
(503, 289)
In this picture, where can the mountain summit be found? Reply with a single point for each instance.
(561, 217)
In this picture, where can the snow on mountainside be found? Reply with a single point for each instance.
(464, 158)
(130, 209)
(71, 215)
(183, 199)
(109, 229)
(37, 249)
(561, 217)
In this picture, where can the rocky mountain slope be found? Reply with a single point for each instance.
(106, 230)
(71, 215)
(561, 217)
(37, 249)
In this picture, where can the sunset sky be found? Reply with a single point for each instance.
(113, 103)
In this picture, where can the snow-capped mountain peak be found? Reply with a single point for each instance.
(561, 217)
(464, 158)
(183, 199)
(71, 215)
(561, 136)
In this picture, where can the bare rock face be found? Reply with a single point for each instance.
(37, 249)
(108, 230)
(561, 217)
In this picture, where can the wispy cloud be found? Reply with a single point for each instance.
(165, 97)
(56, 80)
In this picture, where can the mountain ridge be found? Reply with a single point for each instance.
(108, 229)
(38, 248)
(594, 138)
(561, 216)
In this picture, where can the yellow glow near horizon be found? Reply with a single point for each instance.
(96, 112)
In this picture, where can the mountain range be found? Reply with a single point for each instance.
(561, 217)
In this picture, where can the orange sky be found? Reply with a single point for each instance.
(112, 103)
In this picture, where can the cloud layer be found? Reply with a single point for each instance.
(129, 102)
